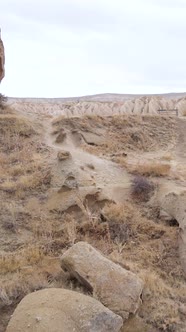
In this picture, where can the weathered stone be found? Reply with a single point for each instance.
(61, 310)
(65, 189)
(2, 59)
(63, 155)
(70, 181)
(61, 137)
(117, 288)
(93, 138)
(174, 204)
(164, 216)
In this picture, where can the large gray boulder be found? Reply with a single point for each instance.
(117, 288)
(60, 310)
(175, 205)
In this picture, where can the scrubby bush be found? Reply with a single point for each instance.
(142, 188)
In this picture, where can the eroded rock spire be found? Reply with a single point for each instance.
(2, 59)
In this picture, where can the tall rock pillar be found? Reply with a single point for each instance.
(2, 59)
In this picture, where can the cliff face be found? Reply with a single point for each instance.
(2, 59)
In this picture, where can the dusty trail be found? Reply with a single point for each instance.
(88, 169)
(93, 172)
(107, 175)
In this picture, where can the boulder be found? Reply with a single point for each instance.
(2, 59)
(61, 310)
(117, 288)
(63, 155)
(71, 181)
(61, 137)
(174, 204)
(93, 138)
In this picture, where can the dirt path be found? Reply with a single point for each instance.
(88, 169)
(93, 171)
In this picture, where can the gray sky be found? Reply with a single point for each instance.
(59, 48)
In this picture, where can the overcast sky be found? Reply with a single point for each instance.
(59, 48)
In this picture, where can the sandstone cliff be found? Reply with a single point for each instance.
(2, 59)
(132, 105)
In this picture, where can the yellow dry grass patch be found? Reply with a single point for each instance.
(12, 124)
(151, 169)
(13, 262)
(25, 271)
(123, 132)
(21, 167)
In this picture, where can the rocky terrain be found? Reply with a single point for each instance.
(102, 181)
(108, 104)
(92, 214)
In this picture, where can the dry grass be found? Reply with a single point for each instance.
(11, 124)
(33, 236)
(21, 183)
(151, 169)
(124, 133)
(21, 168)
(157, 265)
(23, 171)
(32, 272)
(131, 239)
(14, 262)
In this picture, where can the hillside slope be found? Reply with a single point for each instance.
(65, 180)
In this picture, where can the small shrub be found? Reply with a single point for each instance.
(142, 188)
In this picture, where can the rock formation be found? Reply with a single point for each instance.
(134, 105)
(2, 59)
(117, 288)
(62, 310)
(174, 204)
(63, 155)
